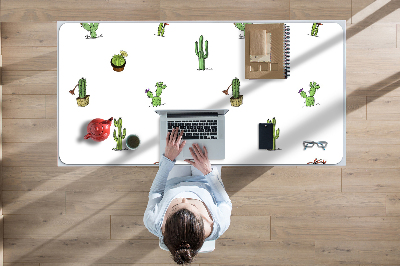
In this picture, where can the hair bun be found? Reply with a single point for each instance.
(184, 246)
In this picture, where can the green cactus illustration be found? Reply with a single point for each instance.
(274, 134)
(236, 99)
(310, 100)
(314, 30)
(83, 99)
(82, 88)
(200, 54)
(119, 59)
(235, 87)
(241, 26)
(91, 27)
(161, 28)
(120, 136)
(156, 100)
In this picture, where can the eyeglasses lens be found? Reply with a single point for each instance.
(322, 144)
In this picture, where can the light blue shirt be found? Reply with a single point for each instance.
(208, 188)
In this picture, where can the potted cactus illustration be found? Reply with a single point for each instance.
(241, 26)
(156, 100)
(121, 136)
(310, 99)
(275, 134)
(83, 99)
(236, 99)
(161, 28)
(92, 28)
(200, 54)
(118, 61)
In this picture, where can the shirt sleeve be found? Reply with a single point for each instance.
(157, 193)
(224, 204)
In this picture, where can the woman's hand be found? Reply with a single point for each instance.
(172, 149)
(201, 161)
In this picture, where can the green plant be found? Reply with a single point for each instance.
(156, 100)
(119, 59)
(161, 28)
(241, 26)
(91, 27)
(314, 29)
(235, 87)
(82, 88)
(310, 99)
(120, 136)
(200, 54)
(275, 135)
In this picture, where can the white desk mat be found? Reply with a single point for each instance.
(172, 60)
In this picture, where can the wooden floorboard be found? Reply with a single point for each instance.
(81, 216)
(30, 82)
(338, 9)
(176, 10)
(138, 179)
(73, 10)
(147, 251)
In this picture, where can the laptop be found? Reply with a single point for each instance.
(205, 127)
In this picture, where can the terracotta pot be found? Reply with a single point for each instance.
(118, 68)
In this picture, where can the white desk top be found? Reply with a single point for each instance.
(171, 59)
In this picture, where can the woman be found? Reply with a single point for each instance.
(188, 210)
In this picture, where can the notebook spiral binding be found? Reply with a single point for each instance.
(286, 51)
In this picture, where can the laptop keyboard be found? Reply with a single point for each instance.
(195, 129)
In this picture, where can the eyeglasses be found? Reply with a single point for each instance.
(310, 144)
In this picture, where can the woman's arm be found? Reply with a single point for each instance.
(224, 204)
(156, 193)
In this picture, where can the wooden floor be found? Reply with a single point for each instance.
(281, 215)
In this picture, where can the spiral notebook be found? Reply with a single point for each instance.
(267, 48)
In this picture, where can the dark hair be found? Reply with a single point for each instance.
(184, 235)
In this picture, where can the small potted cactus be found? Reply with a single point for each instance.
(83, 99)
(236, 99)
(118, 61)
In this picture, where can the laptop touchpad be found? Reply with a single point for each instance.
(186, 152)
